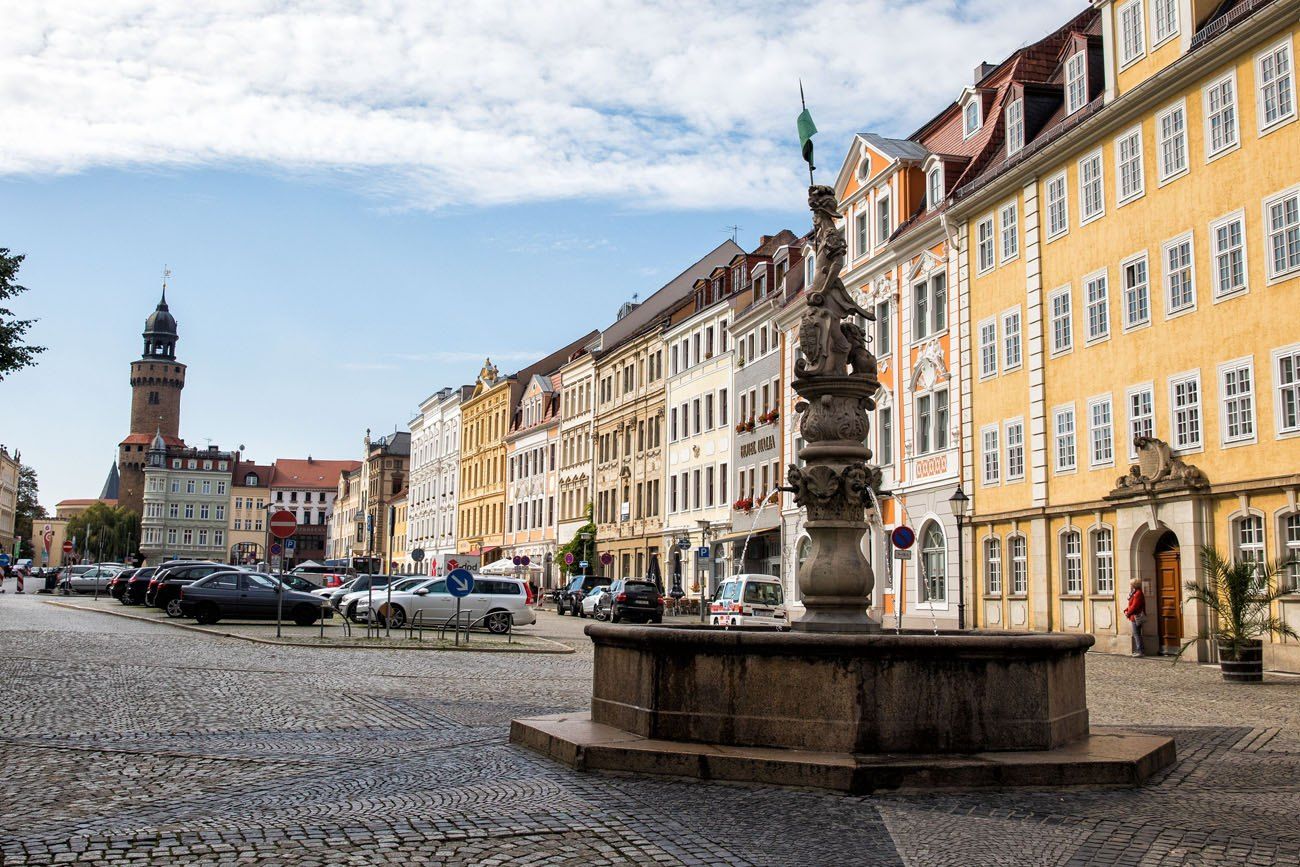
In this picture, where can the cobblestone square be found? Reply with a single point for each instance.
(125, 742)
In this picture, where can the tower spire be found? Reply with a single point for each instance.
(166, 275)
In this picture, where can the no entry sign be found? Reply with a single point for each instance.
(283, 524)
(67, 547)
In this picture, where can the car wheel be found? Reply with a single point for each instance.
(173, 608)
(352, 612)
(207, 613)
(601, 615)
(127, 600)
(305, 615)
(614, 616)
(396, 618)
(499, 623)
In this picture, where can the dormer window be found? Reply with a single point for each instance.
(934, 187)
(1076, 82)
(972, 117)
(1015, 127)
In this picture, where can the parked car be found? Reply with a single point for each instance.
(749, 600)
(362, 582)
(320, 576)
(88, 579)
(117, 584)
(165, 587)
(591, 603)
(355, 605)
(327, 593)
(136, 586)
(297, 582)
(632, 599)
(569, 600)
(254, 595)
(497, 602)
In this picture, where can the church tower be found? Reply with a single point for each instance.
(156, 382)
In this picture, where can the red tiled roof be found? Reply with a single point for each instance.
(146, 439)
(303, 473)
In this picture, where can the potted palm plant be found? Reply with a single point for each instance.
(1240, 596)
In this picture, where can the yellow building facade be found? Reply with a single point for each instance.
(484, 418)
(1148, 400)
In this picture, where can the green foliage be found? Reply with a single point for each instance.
(28, 511)
(14, 354)
(106, 533)
(1239, 594)
(577, 546)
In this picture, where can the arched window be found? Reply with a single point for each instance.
(993, 565)
(1072, 562)
(1248, 540)
(1017, 549)
(934, 564)
(1103, 561)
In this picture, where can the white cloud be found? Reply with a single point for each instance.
(433, 103)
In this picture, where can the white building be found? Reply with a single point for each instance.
(577, 454)
(435, 467)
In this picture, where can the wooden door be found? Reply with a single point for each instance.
(1169, 588)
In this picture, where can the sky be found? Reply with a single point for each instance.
(359, 201)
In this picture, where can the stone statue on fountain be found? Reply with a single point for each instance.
(836, 377)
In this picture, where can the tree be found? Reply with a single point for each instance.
(28, 511)
(14, 354)
(105, 533)
(577, 546)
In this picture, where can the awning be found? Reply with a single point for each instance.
(740, 536)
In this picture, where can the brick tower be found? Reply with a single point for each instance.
(156, 382)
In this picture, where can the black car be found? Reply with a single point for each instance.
(247, 595)
(165, 588)
(136, 585)
(569, 599)
(632, 600)
(117, 584)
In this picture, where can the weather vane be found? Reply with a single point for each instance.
(167, 273)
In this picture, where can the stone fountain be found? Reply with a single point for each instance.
(835, 703)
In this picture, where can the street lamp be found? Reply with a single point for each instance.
(960, 506)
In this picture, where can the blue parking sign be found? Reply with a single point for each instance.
(460, 583)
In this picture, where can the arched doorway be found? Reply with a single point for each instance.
(1169, 594)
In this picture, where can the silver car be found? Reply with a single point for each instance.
(87, 579)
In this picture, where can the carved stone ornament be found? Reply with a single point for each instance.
(489, 374)
(1158, 470)
(830, 494)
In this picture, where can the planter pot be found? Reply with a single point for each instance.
(1242, 664)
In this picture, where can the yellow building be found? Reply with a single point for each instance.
(484, 417)
(396, 545)
(250, 490)
(1146, 399)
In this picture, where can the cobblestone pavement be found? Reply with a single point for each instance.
(132, 743)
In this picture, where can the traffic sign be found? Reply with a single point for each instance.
(569, 558)
(702, 552)
(275, 549)
(290, 545)
(460, 583)
(902, 537)
(583, 565)
(283, 524)
(525, 560)
(4, 559)
(417, 555)
(606, 558)
(68, 547)
(518, 561)
(902, 554)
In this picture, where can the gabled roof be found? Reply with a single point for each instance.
(143, 439)
(897, 148)
(309, 473)
(263, 472)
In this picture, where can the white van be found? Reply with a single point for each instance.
(496, 601)
(749, 600)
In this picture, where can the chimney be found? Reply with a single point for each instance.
(982, 70)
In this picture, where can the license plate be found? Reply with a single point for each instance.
(642, 602)
(763, 612)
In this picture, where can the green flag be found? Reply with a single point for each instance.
(807, 129)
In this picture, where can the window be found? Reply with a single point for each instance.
(862, 234)
(1018, 550)
(884, 328)
(1098, 306)
(189, 486)
(1101, 432)
(1141, 415)
(988, 348)
(1137, 294)
(1062, 327)
(1015, 437)
(1072, 562)
(1128, 159)
(1171, 136)
(1220, 100)
(1009, 225)
(934, 187)
(989, 442)
(1283, 217)
(189, 510)
(1180, 288)
(722, 411)
(1076, 82)
(1092, 198)
(883, 227)
(885, 436)
(174, 510)
(929, 306)
(1103, 561)
(1185, 401)
(1227, 254)
(1291, 526)
(1287, 363)
(1276, 86)
(932, 422)
(1015, 127)
(1011, 339)
(1164, 20)
(984, 245)
(1063, 424)
(1058, 221)
(1132, 40)
(971, 114)
(1250, 545)
(1237, 400)
(934, 564)
(993, 566)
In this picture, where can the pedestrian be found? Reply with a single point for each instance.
(1136, 612)
(534, 592)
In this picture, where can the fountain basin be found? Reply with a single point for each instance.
(851, 712)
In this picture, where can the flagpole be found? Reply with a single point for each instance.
(804, 105)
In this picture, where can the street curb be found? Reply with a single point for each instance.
(560, 648)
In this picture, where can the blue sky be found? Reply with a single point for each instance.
(358, 203)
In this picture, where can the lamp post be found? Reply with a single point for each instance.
(960, 505)
(704, 581)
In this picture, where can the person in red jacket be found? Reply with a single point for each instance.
(1136, 612)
